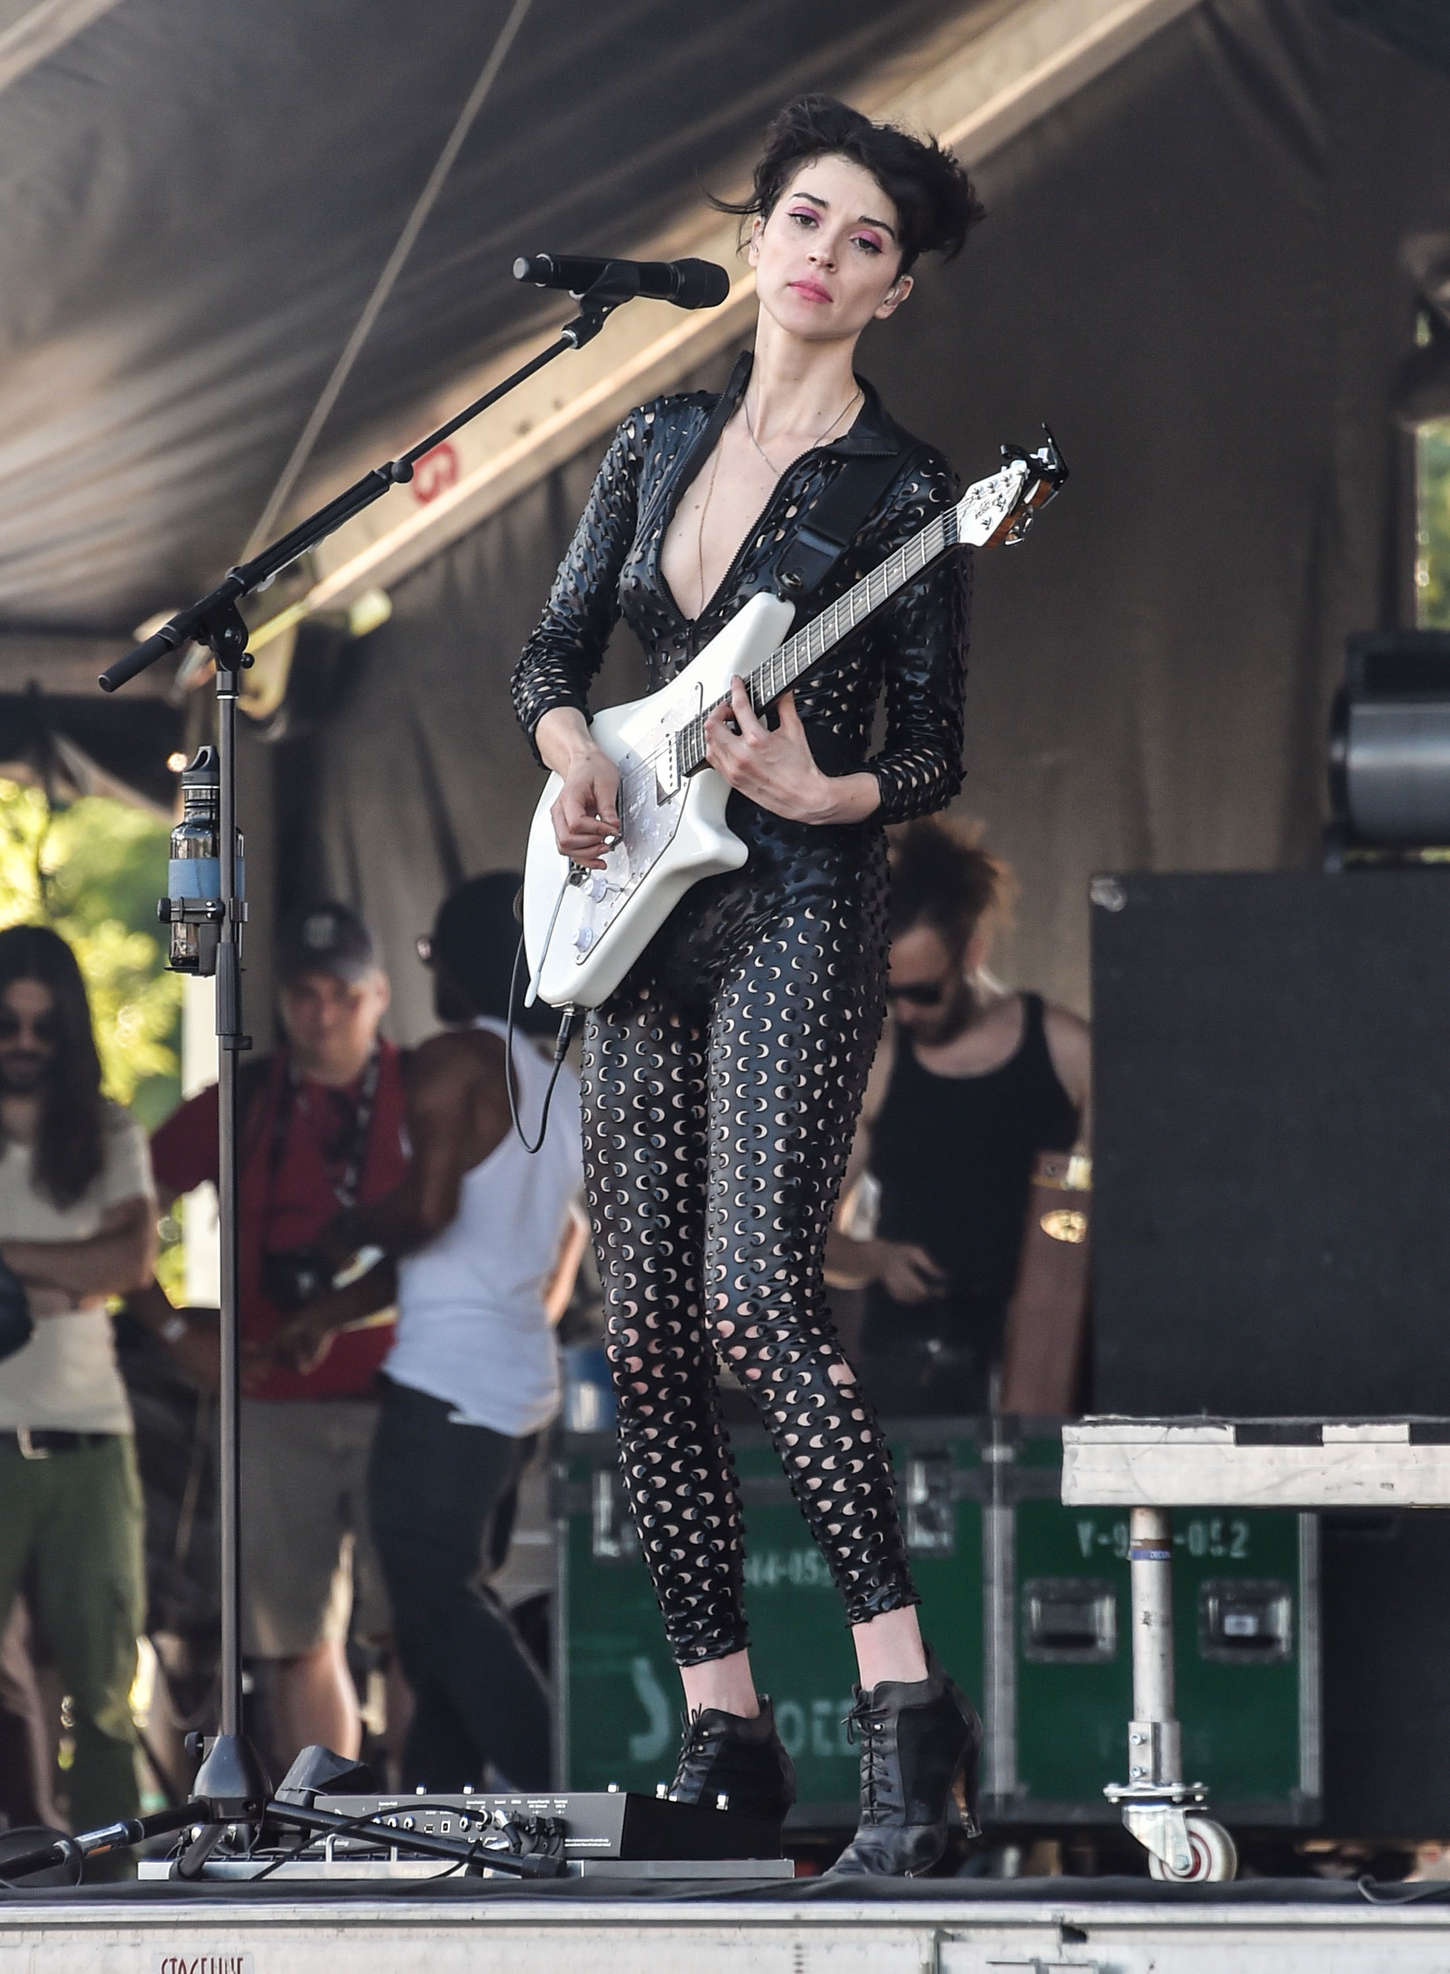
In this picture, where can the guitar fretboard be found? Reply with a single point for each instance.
(803, 648)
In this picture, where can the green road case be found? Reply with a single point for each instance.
(1026, 1602)
(619, 1712)
(1059, 1660)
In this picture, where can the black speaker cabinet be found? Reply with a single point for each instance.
(1272, 1143)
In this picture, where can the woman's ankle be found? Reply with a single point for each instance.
(890, 1648)
(721, 1685)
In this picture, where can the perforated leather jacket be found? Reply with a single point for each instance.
(912, 652)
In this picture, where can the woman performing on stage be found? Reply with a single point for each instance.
(722, 1080)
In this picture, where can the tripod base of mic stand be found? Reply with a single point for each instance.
(231, 1778)
(231, 1791)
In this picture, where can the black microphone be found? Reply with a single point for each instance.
(686, 283)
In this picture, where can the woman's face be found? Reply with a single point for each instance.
(826, 258)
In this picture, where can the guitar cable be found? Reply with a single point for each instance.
(561, 1044)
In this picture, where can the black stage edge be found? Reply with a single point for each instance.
(1058, 1893)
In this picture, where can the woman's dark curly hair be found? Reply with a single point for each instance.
(931, 192)
(941, 877)
(69, 1152)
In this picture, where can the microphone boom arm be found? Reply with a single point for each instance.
(213, 620)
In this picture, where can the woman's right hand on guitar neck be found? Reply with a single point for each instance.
(585, 811)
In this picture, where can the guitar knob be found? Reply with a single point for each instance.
(599, 890)
(584, 938)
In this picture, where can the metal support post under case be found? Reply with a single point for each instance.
(1152, 1800)
(1155, 1740)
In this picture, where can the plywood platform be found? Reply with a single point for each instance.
(1044, 1926)
(1261, 1463)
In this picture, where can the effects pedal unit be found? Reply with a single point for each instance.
(607, 1833)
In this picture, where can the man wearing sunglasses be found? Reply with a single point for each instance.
(974, 1133)
(77, 1224)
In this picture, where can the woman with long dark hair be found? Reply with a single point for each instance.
(77, 1223)
(721, 1080)
(67, 1155)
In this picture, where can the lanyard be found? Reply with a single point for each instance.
(345, 1183)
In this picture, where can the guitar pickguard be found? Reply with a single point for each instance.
(649, 815)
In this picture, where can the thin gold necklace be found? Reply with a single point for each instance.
(776, 470)
(819, 439)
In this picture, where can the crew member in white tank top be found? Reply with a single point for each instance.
(472, 1327)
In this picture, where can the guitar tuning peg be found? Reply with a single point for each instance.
(1049, 458)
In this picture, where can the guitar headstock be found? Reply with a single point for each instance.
(1003, 507)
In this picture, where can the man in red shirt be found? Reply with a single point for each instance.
(321, 1129)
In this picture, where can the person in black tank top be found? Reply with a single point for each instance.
(977, 1105)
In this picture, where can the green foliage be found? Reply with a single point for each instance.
(93, 873)
(1432, 571)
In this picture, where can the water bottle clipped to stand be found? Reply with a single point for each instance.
(194, 909)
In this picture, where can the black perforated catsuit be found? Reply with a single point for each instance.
(723, 1079)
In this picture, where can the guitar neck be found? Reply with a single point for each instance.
(807, 646)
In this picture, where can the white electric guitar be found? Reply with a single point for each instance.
(584, 929)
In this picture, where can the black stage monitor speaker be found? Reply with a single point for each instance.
(1272, 1144)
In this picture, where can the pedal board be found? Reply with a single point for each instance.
(612, 1823)
(595, 1833)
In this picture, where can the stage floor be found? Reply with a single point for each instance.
(1040, 1926)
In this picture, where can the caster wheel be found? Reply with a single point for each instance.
(1213, 1858)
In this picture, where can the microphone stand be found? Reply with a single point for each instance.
(230, 1794)
(208, 622)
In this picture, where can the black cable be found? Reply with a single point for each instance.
(392, 1837)
(561, 1044)
(359, 1823)
(1375, 1893)
(74, 1858)
(284, 1857)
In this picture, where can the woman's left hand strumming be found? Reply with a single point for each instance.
(776, 769)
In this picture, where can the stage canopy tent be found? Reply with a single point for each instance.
(1209, 223)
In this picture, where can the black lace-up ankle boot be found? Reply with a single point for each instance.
(920, 1742)
(738, 1758)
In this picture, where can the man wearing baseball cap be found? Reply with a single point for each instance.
(321, 1131)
